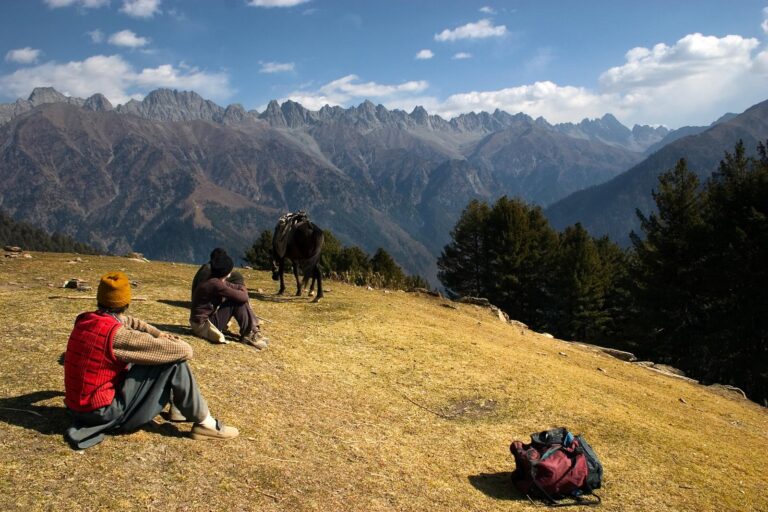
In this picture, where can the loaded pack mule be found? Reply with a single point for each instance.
(299, 240)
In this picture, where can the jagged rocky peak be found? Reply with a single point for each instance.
(328, 112)
(173, 105)
(506, 119)
(174, 97)
(540, 121)
(606, 125)
(364, 114)
(295, 114)
(273, 114)
(420, 115)
(234, 113)
(98, 103)
(485, 122)
(41, 95)
(646, 132)
(368, 107)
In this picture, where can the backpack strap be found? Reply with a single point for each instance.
(578, 500)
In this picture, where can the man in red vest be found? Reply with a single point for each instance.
(120, 372)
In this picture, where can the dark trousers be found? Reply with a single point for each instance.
(242, 313)
(144, 393)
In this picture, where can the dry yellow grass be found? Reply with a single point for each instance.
(366, 401)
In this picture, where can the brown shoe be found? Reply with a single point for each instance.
(201, 433)
(174, 415)
(255, 339)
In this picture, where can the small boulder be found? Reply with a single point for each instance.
(479, 301)
(619, 354)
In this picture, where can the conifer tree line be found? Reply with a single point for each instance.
(350, 264)
(31, 238)
(691, 291)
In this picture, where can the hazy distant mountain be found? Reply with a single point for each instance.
(609, 208)
(174, 174)
(685, 131)
(608, 129)
(533, 161)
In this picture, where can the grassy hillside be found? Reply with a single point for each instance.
(366, 401)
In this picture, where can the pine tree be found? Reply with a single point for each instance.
(618, 299)
(735, 327)
(579, 287)
(383, 264)
(353, 259)
(668, 263)
(521, 246)
(31, 238)
(329, 257)
(464, 266)
(260, 253)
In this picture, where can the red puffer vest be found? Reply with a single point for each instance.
(91, 371)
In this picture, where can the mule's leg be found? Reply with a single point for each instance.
(312, 286)
(304, 281)
(296, 275)
(281, 271)
(318, 275)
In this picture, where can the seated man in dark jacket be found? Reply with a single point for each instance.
(216, 300)
(120, 372)
(204, 272)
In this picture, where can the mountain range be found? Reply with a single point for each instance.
(609, 208)
(174, 175)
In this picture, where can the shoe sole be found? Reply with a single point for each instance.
(203, 437)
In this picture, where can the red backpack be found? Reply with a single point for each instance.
(557, 464)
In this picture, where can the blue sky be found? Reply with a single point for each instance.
(652, 62)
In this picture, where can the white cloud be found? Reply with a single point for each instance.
(424, 54)
(347, 90)
(86, 4)
(114, 77)
(128, 39)
(479, 30)
(276, 67)
(461, 56)
(693, 81)
(276, 3)
(487, 10)
(691, 56)
(764, 24)
(539, 61)
(556, 103)
(141, 8)
(97, 36)
(24, 55)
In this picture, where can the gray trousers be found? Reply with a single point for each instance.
(144, 394)
(242, 313)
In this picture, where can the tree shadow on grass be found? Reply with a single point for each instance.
(23, 411)
(177, 303)
(497, 485)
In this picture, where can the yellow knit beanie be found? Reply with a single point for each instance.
(114, 290)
